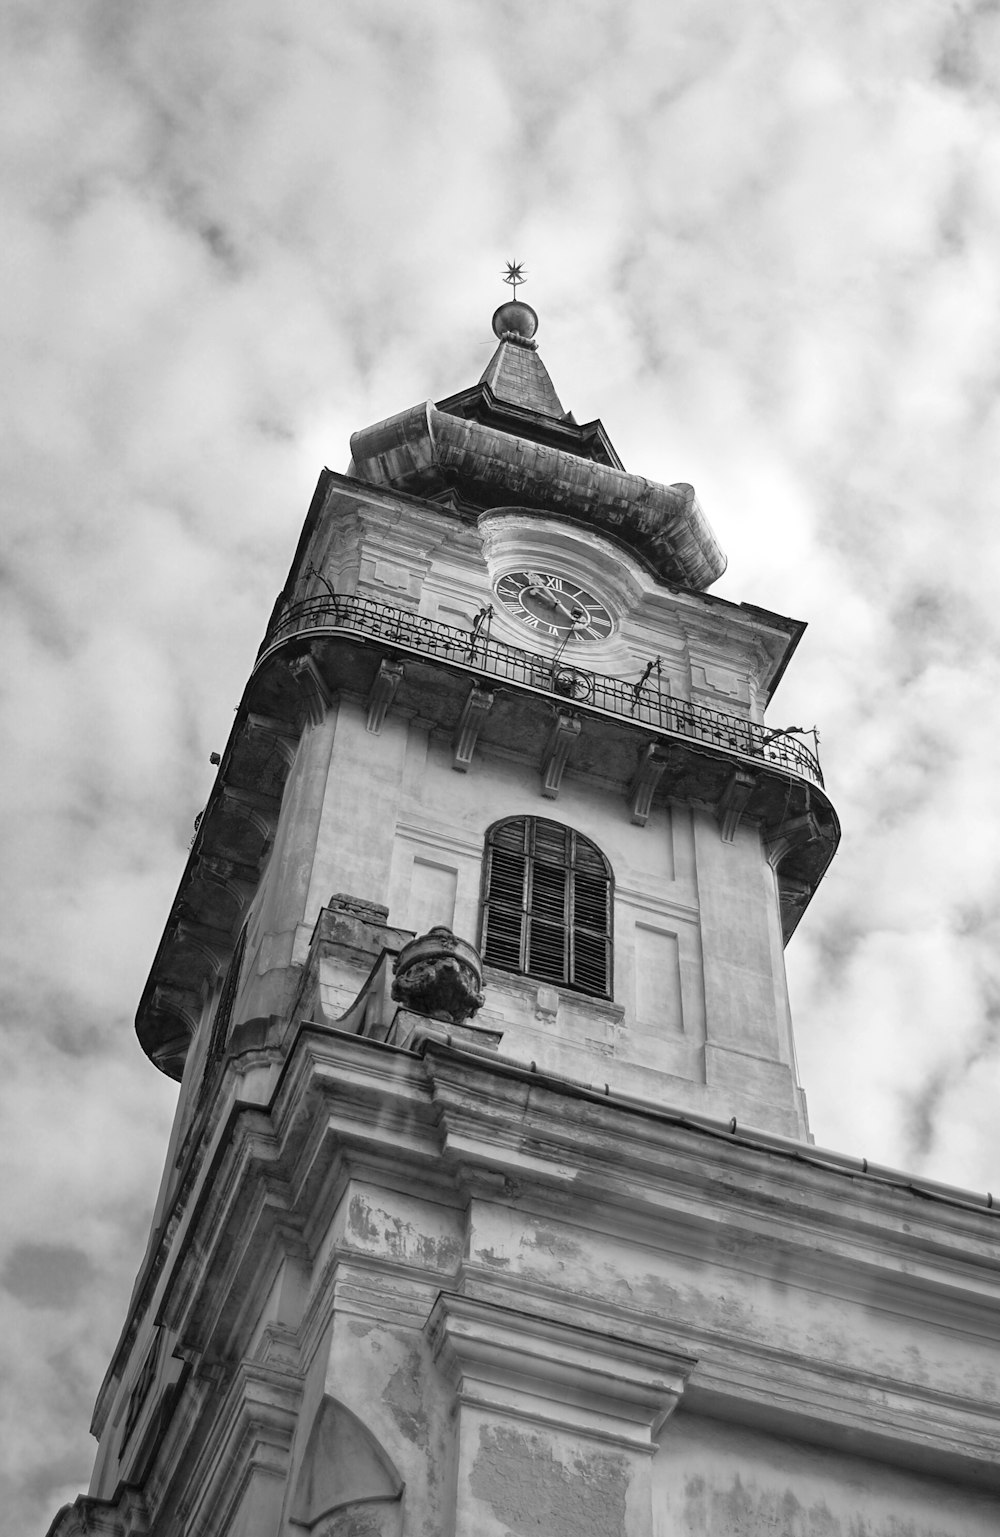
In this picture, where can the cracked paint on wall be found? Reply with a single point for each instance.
(404, 1397)
(529, 1490)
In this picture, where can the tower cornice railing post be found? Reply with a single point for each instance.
(481, 655)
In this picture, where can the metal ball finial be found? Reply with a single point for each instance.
(515, 321)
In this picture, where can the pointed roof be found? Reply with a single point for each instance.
(517, 376)
(516, 394)
(508, 442)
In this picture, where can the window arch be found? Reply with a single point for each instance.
(547, 904)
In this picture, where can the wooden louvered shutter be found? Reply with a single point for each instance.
(505, 908)
(590, 920)
(549, 903)
(547, 909)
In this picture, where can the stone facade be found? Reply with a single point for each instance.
(452, 1248)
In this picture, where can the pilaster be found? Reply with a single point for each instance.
(555, 1423)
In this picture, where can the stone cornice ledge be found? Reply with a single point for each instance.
(907, 1425)
(611, 1389)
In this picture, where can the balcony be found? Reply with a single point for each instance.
(478, 693)
(640, 703)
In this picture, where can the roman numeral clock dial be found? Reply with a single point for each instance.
(553, 606)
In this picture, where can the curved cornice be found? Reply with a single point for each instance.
(426, 451)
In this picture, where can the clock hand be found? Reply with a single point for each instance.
(544, 595)
(574, 615)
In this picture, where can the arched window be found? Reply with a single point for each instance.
(547, 904)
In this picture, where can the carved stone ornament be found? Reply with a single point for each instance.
(440, 975)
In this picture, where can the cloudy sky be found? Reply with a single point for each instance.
(764, 243)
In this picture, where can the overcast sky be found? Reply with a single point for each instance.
(763, 243)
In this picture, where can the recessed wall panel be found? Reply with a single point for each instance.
(432, 896)
(657, 979)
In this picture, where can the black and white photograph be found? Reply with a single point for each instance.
(501, 702)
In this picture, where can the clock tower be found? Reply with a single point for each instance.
(491, 1205)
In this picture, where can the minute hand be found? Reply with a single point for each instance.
(549, 598)
(576, 615)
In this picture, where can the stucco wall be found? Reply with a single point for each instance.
(716, 1480)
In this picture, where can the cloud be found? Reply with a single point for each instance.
(46, 1275)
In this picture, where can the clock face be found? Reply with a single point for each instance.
(553, 606)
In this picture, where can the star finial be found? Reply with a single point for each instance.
(514, 275)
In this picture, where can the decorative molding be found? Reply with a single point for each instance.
(124, 1516)
(383, 692)
(434, 836)
(733, 802)
(554, 1373)
(562, 738)
(477, 706)
(250, 1445)
(660, 907)
(547, 1005)
(946, 1434)
(643, 786)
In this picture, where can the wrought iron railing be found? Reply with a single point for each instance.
(476, 652)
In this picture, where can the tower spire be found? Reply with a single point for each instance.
(515, 373)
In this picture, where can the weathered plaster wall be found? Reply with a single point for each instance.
(376, 1272)
(518, 1479)
(699, 1015)
(727, 1288)
(700, 994)
(716, 1480)
(531, 1301)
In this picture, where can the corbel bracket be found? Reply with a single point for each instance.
(562, 737)
(383, 692)
(313, 692)
(179, 1003)
(473, 717)
(792, 834)
(258, 810)
(213, 945)
(276, 732)
(734, 801)
(643, 786)
(793, 896)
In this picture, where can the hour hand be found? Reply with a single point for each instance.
(543, 595)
